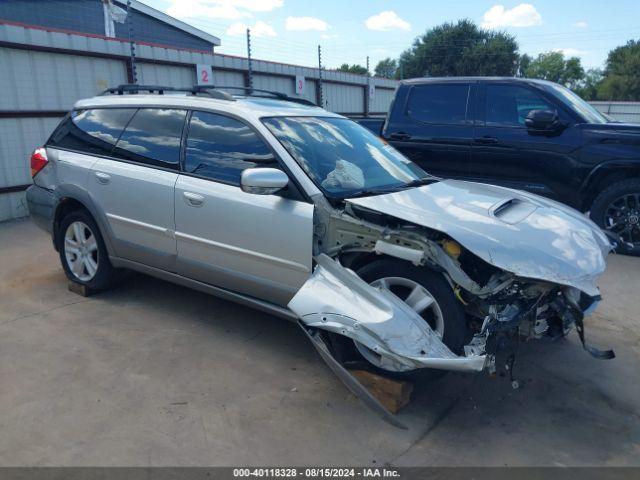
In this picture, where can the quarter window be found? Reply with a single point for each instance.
(439, 104)
(93, 131)
(220, 148)
(508, 105)
(153, 137)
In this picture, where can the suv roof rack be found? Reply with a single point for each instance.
(217, 92)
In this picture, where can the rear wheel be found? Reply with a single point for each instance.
(617, 209)
(82, 251)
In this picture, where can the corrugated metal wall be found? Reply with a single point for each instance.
(51, 70)
(621, 111)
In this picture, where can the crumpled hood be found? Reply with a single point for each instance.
(522, 233)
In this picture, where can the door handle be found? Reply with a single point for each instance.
(400, 136)
(487, 140)
(193, 199)
(103, 178)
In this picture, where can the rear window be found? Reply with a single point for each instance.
(93, 131)
(152, 137)
(441, 104)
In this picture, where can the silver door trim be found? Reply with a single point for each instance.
(142, 225)
(242, 251)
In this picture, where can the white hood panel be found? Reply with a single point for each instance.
(525, 234)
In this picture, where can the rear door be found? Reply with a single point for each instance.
(435, 127)
(505, 152)
(258, 245)
(135, 186)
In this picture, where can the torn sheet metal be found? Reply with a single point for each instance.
(337, 300)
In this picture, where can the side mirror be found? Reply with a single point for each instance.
(543, 121)
(263, 181)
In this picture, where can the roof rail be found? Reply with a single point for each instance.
(217, 92)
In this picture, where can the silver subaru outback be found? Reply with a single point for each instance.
(291, 209)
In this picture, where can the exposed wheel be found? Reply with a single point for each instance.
(82, 251)
(426, 292)
(617, 208)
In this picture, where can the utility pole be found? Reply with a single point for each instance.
(320, 93)
(250, 75)
(367, 95)
(132, 45)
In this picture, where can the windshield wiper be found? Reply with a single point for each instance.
(395, 188)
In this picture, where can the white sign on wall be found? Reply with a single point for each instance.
(299, 84)
(204, 74)
(372, 91)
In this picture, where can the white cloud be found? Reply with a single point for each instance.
(523, 15)
(226, 9)
(387, 20)
(581, 24)
(306, 23)
(260, 29)
(571, 52)
(328, 36)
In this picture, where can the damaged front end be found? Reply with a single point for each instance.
(508, 293)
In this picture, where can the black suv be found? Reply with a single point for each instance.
(526, 134)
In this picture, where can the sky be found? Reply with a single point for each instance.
(290, 31)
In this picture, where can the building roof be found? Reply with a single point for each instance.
(163, 17)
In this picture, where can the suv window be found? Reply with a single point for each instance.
(442, 104)
(220, 148)
(508, 105)
(153, 137)
(91, 131)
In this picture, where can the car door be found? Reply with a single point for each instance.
(435, 127)
(506, 153)
(258, 245)
(135, 186)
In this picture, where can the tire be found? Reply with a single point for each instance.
(455, 332)
(617, 208)
(79, 237)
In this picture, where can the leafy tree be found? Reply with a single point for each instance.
(588, 88)
(386, 68)
(460, 49)
(552, 66)
(622, 73)
(355, 68)
(523, 64)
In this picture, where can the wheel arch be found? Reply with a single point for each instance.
(605, 175)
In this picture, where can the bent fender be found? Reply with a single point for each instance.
(337, 300)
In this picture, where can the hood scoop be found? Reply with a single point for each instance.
(512, 210)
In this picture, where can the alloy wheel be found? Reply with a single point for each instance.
(415, 296)
(622, 217)
(81, 251)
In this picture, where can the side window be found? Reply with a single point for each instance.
(441, 104)
(153, 137)
(91, 131)
(508, 105)
(220, 148)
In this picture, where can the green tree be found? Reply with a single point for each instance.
(588, 89)
(523, 64)
(460, 49)
(622, 73)
(552, 66)
(386, 68)
(355, 68)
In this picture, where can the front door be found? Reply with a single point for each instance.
(258, 245)
(506, 153)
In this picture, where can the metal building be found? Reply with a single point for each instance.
(55, 52)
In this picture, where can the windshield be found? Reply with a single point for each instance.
(343, 158)
(588, 112)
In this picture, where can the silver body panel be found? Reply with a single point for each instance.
(521, 233)
(258, 245)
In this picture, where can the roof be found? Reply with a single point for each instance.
(163, 17)
(245, 107)
(419, 81)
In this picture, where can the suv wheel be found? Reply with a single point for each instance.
(82, 252)
(617, 209)
(428, 293)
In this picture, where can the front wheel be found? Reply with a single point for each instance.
(617, 208)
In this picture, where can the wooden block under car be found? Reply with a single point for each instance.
(392, 394)
(80, 289)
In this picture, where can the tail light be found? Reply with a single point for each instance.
(38, 160)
